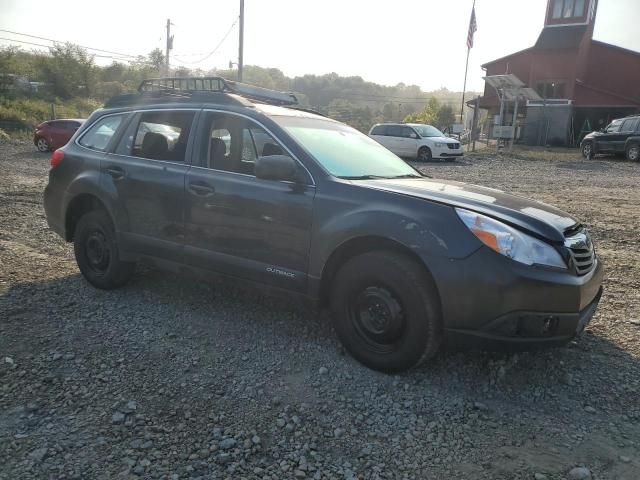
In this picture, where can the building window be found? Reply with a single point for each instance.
(567, 9)
(551, 90)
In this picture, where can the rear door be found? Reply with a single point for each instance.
(379, 134)
(394, 139)
(627, 129)
(58, 133)
(238, 224)
(146, 173)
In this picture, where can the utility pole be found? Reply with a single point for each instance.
(169, 45)
(241, 42)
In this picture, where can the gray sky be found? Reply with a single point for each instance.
(419, 42)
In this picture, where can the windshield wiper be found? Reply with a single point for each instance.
(362, 177)
(407, 175)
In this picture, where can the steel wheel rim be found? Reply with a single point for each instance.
(378, 318)
(43, 146)
(97, 252)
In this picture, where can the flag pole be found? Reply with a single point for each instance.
(466, 68)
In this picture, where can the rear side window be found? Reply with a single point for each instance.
(162, 135)
(379, 130)
(99, 135)
(394, 131)
(629, 125)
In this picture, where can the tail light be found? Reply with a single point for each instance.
(56, 158)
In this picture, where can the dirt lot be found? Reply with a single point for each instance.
(170, 377)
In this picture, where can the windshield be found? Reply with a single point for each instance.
(343, 151)
(427, 131)
(614, 126)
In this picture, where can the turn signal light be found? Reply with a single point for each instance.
(57, 156)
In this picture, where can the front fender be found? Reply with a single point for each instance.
(426, 228)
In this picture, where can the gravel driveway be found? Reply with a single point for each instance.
(171, 377)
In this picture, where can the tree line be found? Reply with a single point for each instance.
(68, 72)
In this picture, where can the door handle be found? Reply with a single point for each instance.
(116, 172)
(201, 189)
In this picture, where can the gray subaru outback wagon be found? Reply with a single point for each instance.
(216, 177)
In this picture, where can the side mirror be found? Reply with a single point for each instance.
(413, 135)
(276, 167)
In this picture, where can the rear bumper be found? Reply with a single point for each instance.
(50, 201)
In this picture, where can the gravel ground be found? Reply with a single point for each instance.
(170, 377)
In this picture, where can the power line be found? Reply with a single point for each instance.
(49, 46)
(215, 49)
(59, 41)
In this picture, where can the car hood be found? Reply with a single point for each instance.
(594, 134)
(442, 139)
(538, 218)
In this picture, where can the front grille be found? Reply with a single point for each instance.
(583, 255)
(453, 146)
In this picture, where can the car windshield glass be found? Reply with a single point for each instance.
(343, 151)
(614, 126)
(427, 131)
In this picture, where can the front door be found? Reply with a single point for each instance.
(607, 141)
(240, 225)
(147, 173)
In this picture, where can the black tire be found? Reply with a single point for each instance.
(587, 150)
(97, 254)
(386, 311)
(42, 145)
(424, 154)
(633, 152)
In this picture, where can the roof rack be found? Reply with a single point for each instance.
(186, 86)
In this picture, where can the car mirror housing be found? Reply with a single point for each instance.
(276, 167)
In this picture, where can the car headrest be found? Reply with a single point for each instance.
(155, 145)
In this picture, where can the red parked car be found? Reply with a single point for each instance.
(55, 133)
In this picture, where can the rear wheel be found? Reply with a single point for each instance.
(386, 311)
(97, 252)
(587, 150)
(424, 154)
(633, 153)
(43, 145)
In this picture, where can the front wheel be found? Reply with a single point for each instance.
(424, 154)
(587, 150)
(97, 252)
(386, 311)
(43, 145)
(633, 153)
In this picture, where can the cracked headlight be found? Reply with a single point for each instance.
(510, 242)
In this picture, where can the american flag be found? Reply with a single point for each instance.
(473, 26)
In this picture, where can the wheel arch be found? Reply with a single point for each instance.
(357, 246)
(77, 207)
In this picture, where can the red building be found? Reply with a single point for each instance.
(585, 82)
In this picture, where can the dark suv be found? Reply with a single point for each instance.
(210, 176)
(622, 136)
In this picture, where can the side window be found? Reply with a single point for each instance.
(379, 130)
(408, 132)
(162, 135)
(234, 143)
(99, 135)
(629, 125)
(394, 131)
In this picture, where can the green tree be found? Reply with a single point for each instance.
(428, 114)
(445, 117)
(70, 70)
(156, 59)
